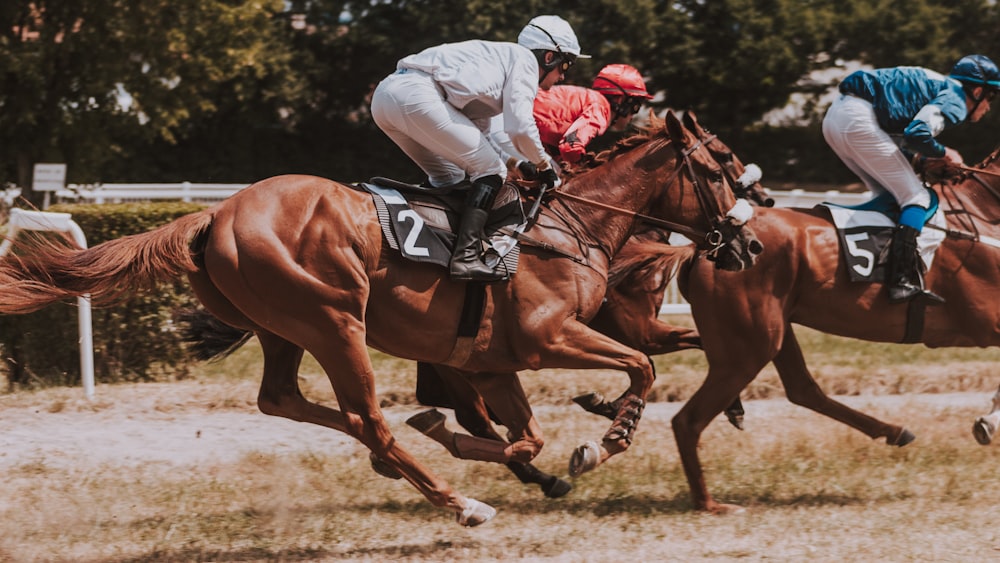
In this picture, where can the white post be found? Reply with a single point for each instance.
(21, 220)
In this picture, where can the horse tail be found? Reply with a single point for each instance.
(639, 260)
(43, 271)
(208, 338)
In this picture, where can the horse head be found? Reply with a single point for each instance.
(729, 242)
(744, 178)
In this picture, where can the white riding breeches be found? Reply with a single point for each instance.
(411, 109)
(852, 131)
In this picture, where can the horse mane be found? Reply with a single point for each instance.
(640, 259)
(641, 136)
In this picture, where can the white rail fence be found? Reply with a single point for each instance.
(210, 193)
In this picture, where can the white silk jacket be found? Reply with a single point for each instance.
(483, 79)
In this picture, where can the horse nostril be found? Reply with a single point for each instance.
(755, 247)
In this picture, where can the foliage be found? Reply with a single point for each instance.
(132, 341)
(237, 90)
(86, 81)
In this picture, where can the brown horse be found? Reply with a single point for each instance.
(637, 280)
(302, 263)
(745, 319)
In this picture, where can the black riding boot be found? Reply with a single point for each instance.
(466, 259)
(904, 263)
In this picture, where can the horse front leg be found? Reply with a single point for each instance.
(720, 387)
(986, 426)
(580, 347)
(472, 414)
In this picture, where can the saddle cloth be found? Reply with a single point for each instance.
(421, 226)
(866, 229)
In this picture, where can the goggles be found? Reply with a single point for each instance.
(627, 107)
(565, 62)
(631, 105)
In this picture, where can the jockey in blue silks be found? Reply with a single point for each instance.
(879, 114)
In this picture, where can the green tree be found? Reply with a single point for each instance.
(83, 82)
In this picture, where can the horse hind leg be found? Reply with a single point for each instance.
(280, 396)
(801, 389)
(986, 426)
(350, 372)
(451, 388)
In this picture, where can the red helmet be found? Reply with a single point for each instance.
(621, 80)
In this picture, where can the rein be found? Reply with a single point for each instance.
(967, 235)
(670, 225)
(714, 238)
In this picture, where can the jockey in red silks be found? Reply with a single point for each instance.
(570, 117)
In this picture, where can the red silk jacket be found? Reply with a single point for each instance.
(569, 118)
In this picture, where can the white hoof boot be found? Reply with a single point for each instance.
(475, 513)
(584, 458)
(983, 431)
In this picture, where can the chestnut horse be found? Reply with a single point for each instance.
(638, 278)
(745, 319)
(301, 261)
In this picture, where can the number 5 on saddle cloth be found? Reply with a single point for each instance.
(866, 229)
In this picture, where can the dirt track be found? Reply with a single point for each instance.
(120, 427)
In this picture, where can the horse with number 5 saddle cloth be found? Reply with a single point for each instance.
(303, 263)
(807, 277)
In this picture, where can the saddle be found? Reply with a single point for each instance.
(865, 230)
(420, 222)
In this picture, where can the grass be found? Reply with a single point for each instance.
(814, 488)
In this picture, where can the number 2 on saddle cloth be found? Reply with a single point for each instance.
(420, 222)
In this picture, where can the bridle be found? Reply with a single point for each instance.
(741, 184)
(725, 227)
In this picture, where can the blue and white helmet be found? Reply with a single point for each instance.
(976, 69)
(550, 33)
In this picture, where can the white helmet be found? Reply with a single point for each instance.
(550, 33)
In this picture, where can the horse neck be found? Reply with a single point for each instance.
(625, 185)
(978, 194)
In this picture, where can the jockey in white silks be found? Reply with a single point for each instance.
(438, 105)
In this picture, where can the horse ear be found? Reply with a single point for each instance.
(655, 122)
(691, 121)
(676, 129)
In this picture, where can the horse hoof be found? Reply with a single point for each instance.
(426, 421)
(585, 458)
(556, 487)
(905, 437)
(589, 400)
(595, 403)
(381, 467)
(475, 513)
(982, 431)
(735, 419)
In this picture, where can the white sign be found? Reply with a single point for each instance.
(49, 177)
